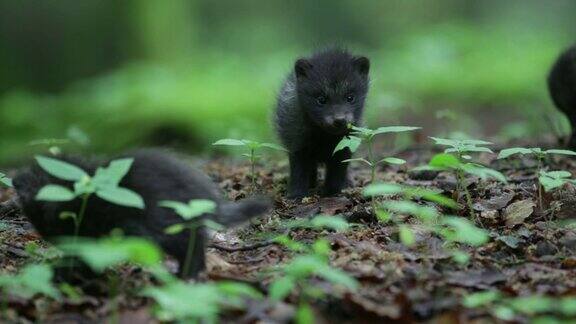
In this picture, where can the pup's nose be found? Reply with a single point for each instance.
(340, 121)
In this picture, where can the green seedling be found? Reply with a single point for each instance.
(311, 262)
(451, 229)
(34, 279)
(104, 184)
(181, 302)
(100, 254)
(551, 180)
(456, 165)
(540, 156)
(543, 309)
(321, 222)
(5, 180)
(296, 276)
(252, 155)
(191, 213)
(359, 135)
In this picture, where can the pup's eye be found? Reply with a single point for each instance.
(321, 100)
(350, 98)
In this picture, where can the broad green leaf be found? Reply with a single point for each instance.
(200, 207)
(481, 299)
(34, 279)
(484, 172)
(550, 183)
(568, 306)
(394, 129)
(444, 141)
(338, 277)
(230, 142)
(187, 303)
(474, 142)
(556, 174)
(55, 193)
(182, 209)
(406, 235)
(274, 146)
(102, 253)
(431, 195)
(60, 169)
(213, 225)
(462, 230)
(381, 189)
(174, 229)
(513, 151)
(445, 161)
(121, 196)
(111, 175)
(289, 243)
(336, 223)
(238, 289)
(305, 314)
(281, 288)
(350, 142)
(357, 160)
(425, 213)
(460, 257)
(561, 152)
(531, 305)
(5, 180)
(393, 160)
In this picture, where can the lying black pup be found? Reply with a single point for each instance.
(155, 175)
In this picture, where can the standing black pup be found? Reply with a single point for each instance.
(562, 87)
(323, 94)
(156, 176)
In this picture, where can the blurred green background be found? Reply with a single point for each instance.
(187, 72)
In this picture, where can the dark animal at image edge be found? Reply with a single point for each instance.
(562, 87)
(318, 100)
(156, 175)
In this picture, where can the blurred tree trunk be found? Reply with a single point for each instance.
(166, 30)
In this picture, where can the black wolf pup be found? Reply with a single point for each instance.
(319, 99)
(562, 87)
(156, 175)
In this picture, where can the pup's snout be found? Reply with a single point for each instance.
(340, 122)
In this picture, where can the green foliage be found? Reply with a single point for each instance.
(183, 302)
(190, 212)
(408, 192)
(253, 147)
(551, 180)
(336, 223)
(507, 308)
(111, 251)
(536, 151)
(105, 183)
(461, 230)
(5, 180)
(463, 147)
(32, 280)
(359, 135)
(548, 180)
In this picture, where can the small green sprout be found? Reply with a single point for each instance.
(198, 303)
(456, 165)
(104, 184)
(111, 251)
(190, 212)
(551, 180)
(452, 229)
(541, 156)
(34, 279)
(252, 147)
(312, 261)
(542, 308)
(359, 135)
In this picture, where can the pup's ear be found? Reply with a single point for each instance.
(362, 64)
(302, 68)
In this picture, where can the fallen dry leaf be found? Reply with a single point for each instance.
(517, 212)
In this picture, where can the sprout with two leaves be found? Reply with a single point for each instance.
(549, 180)
(359, 135)
(104, 184)
(252, 155)
(190, 213)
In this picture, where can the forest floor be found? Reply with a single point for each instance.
(530, 255)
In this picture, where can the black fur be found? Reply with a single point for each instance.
(156, 176)
(323, 94)
(562, 87)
